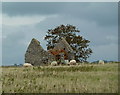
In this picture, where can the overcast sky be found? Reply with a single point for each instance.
(98, 22)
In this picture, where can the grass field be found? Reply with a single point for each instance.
(85, 78)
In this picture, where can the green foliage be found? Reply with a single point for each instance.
(77, 42)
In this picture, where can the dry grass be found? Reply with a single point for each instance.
(0, 81)
(61, 79)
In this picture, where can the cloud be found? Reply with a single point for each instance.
(30, 8)
(12, 49)
(104, 13)
(112, 38)
(21, 20)
(0, 19)
(24, 20)
(0, 33)
(15, 41)
(105, 52)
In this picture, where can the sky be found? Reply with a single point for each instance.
(22, 21)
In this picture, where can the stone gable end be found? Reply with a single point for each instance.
(36, 55)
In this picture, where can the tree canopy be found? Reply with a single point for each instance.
(69, 32)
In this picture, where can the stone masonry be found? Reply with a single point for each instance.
(64, 49)
(36, 55)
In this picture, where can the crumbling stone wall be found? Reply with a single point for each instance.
(36, 55)
(67, 49)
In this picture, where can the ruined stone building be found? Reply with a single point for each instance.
(36, 55)
(62, 49)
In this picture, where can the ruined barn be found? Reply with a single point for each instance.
(37, 56)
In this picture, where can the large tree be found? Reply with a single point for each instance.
(77, 42)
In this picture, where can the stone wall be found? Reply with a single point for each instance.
(36, 55)
(63, 45)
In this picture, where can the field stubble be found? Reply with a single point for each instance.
(61, 79)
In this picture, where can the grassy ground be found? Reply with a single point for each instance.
(67, 79)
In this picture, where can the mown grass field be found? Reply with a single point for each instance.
(85, 78)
